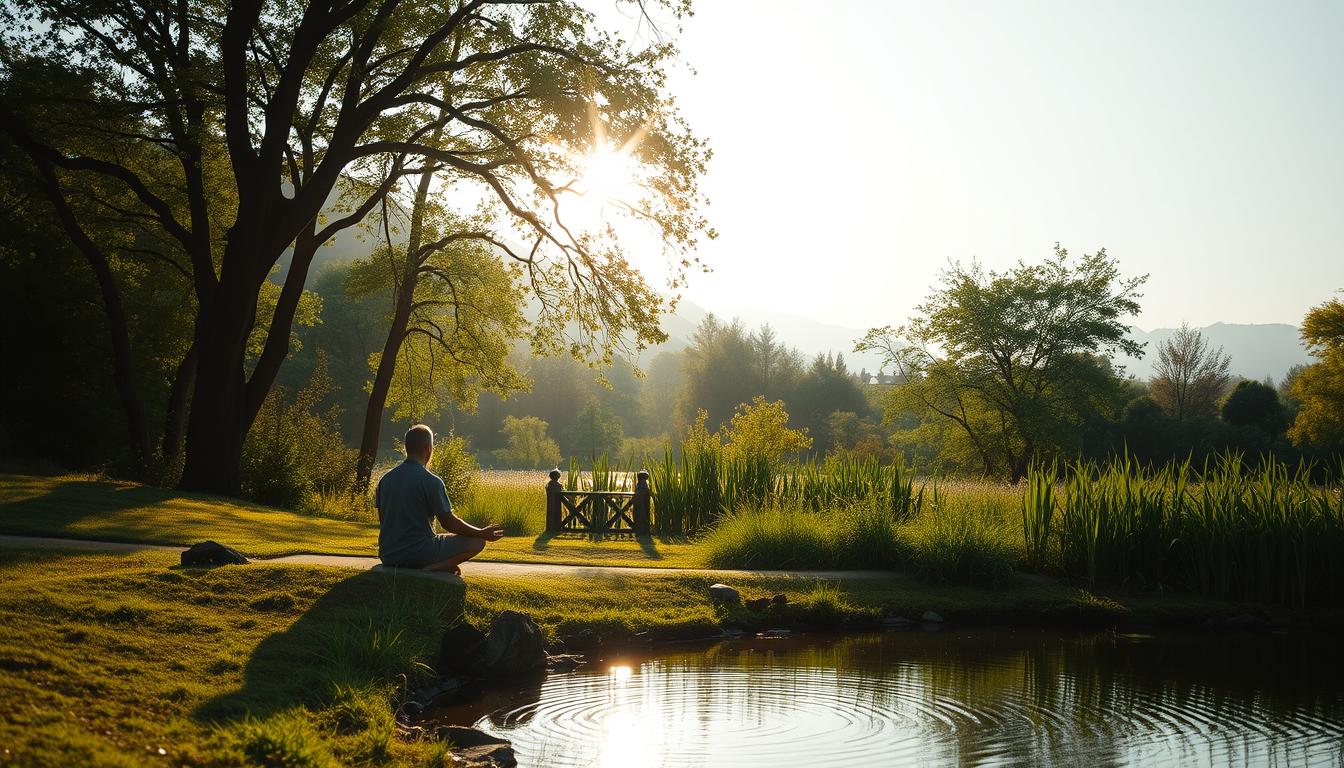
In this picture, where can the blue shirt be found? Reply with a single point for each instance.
(409, 496)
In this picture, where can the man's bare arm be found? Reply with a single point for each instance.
(454, 524)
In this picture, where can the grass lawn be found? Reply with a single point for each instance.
(76, 506)
(106, 659)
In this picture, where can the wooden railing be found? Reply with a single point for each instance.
(598, 511)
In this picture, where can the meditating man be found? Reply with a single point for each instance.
(409, 498)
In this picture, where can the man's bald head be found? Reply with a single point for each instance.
(419, 442)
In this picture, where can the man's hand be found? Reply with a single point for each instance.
(492, 532)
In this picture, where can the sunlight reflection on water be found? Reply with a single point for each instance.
(984, 697)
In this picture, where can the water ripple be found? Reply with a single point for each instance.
(1023, 698)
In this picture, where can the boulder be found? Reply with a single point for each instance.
(774, 634)
(897, 622)
(514, 646)
(780, 599)
(758, 604)
(722, 593)
(212, 553)
(931, 618)
(461, 649)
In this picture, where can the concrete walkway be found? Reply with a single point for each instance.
(472, 568)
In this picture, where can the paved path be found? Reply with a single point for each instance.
(473, 568)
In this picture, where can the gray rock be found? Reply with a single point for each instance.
(212, 553)
(488, 756)
(461, 649)
(1245, 621)
(759, 604)
(780, 599)
(722, 593)
(515, 646)
(897, 622)
(931, 618)
(774, 634)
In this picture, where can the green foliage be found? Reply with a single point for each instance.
(456, 466)
(1267, 534)
(595, 431)
(760, 429)
(1252, 404)
(1012, 364)
(529, 447)
(294, 450)
(1319, 388)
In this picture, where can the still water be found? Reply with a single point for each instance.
(970, 697)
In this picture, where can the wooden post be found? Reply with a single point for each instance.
(643, 499)
(553, 490)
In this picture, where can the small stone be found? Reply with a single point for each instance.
(722, 593)
(780, 599)
(759, 604)
(931, 618)
(488, 756)
(462, 737)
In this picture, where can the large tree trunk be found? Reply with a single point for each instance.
(218, 420)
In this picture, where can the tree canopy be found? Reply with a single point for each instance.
(1013, 362)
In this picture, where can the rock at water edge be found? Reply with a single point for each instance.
(514, 646)
(722, 593)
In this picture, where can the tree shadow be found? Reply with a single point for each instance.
(371, 628)
(47, 505)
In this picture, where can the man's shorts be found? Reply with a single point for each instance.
(444, 546)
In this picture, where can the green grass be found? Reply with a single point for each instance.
(79, 506)
(105, 659)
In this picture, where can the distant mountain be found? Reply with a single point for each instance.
(809, 336)
(1257, 351)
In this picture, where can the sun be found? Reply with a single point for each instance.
(607, 175)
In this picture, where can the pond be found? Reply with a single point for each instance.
(952, 697)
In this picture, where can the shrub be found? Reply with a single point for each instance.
(293, 451)
(454, 463)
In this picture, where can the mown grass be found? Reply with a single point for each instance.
(80, 506)
(106, 659)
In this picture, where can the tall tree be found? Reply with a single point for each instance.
(1190, 376)
(1015, 360)
(455, 311)
(297, 96)
(1319, 388)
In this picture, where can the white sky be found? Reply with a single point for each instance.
(858, 146)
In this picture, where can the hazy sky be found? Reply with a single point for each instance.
(859, 146)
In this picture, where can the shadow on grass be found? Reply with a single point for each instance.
(372, 628)
(48, 505)
(647, 544)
